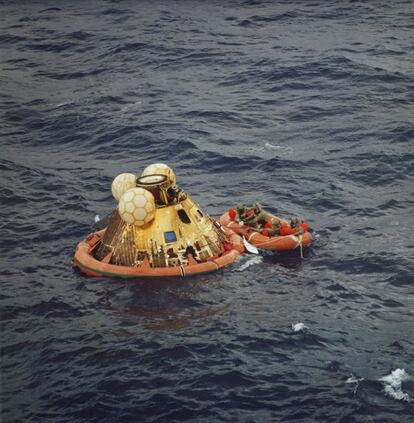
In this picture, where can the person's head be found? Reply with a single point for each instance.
(257, 207)
(275, 224)
(294, 221)
(240, 207)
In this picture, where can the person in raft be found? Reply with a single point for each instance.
(274, 228)
(271, 228)
(256, 219)
(238, 214)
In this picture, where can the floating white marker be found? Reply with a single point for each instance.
(97, 218)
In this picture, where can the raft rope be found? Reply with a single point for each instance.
(298, 239)
(301, 246)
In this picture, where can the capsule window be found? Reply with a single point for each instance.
(182, 214)
(200, 213)
(170, 237)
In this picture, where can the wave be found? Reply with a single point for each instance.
(298, 327)
(72, 75)
(50, 9)
(11, 39)
(276, 102)
(113, 11)
(51, 47)
(80, 35)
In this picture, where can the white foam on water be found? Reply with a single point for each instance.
(272, 146)
(354, 379)
(128, 106)
(393, 384)
(63, 104)
(298, 327)
(276, 147)
(97, 218)
(251, 262)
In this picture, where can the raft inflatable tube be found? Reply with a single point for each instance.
(88, 264)
(274, 243)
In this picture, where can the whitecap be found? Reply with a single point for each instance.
(63, 104)
(251, 262)
(393, 384)
(277, 148)
(272, 146)
(298, 327)
(354, 379)
(129, 105)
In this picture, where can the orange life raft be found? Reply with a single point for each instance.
(86, 262)
(275, 243)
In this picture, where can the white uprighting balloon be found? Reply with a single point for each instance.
(137, 206)
(160, 169)
(122, 183)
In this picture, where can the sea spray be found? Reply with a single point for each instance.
(298, 327)
(251, 262)
(393, 384)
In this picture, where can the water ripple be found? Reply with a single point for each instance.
(302, 106)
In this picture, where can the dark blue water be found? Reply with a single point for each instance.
(306, 107)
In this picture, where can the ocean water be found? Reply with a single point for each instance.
(305, 106)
